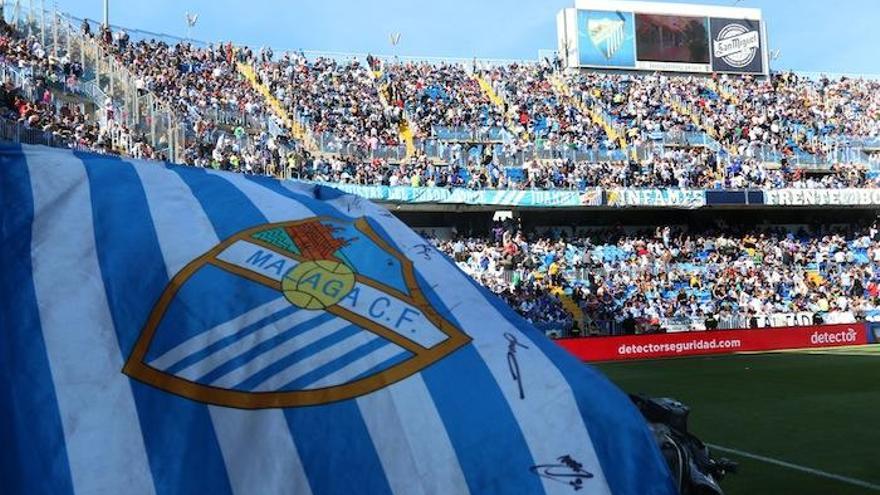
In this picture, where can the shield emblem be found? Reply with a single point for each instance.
(291, 314)
(607, 35)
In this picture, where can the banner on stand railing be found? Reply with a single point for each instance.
(675, 198)
(492, 197)
(822, 197)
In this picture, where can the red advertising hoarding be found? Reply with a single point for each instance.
(714, 342)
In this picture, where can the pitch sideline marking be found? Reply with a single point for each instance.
(797, 467)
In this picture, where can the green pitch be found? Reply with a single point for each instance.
(818, 410)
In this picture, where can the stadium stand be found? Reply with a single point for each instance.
(504, 126)
(625, 281)
(521, 125)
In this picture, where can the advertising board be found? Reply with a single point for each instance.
(652, 36)
(680, 344)
(736, 45)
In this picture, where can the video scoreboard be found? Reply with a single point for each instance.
(648, 36)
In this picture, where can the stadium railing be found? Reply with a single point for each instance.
(15, 132)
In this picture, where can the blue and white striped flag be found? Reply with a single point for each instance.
(176, 330)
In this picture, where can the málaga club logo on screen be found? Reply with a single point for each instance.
(737, 45)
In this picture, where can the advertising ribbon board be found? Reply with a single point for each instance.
(680, 344)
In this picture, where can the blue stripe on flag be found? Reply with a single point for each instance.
(337, 364)
(513, 453)
(262, 347)
(488, 436)
(349, 440)
(230, 211)
(178, 433)
(461, 382)
(608, 432)
(33, 458)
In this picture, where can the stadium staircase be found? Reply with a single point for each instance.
(722, 91)
(688, 110)
(489, 91)
(569, 305)
(297, 130)
(405, 127)
(406, 135)
(597, 116)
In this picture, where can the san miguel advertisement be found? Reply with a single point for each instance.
(736, 45)
(681, 344)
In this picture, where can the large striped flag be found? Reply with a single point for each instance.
(177, 330)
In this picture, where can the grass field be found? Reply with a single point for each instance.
(818, 410)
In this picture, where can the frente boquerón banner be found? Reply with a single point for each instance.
(667, 345)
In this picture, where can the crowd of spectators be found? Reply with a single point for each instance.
(28, 99)
(338, 102)
(540, 115)
(653, 276)
(441, 95)
(786, 113)
(541, 129)
(223, 116)
(535, 128)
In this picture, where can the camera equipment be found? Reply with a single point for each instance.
(693, 468)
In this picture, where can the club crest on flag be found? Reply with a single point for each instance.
(291, 314)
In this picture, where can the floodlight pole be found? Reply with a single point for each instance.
(106, 13)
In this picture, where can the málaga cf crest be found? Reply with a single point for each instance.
(291, 314)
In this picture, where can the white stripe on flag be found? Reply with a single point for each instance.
(281, 351)
(316, 360)
(248, 471)
(185, 233)
(216, 359)
(105, 446)
(356, 367)
(218, 333)
(404, 424)
(419, 457)
(257, 259)
(547, 434)
(408, 321)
